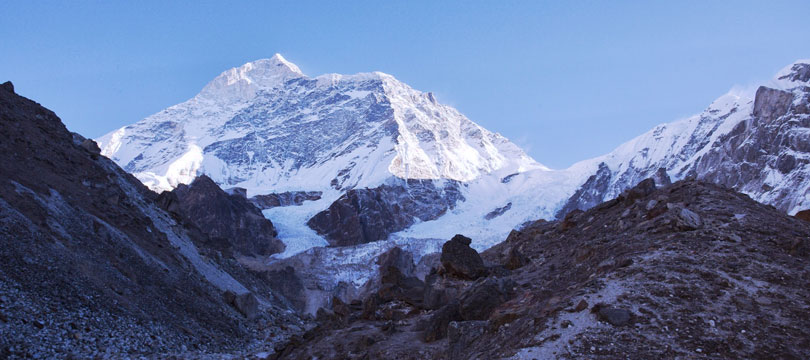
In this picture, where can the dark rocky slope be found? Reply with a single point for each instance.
(91, 266)
(691, 270)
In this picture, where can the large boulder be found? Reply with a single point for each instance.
(230, 221)
(460, 260)
(245, 303)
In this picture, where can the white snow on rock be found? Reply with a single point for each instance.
(267, 127)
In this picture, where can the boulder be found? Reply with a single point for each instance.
(437, 324)
(245, 303)
(688, 219)
(612, 315)
(478, 301)
(230, 222)
(460, 260)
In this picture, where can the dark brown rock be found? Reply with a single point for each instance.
(230, 221)
(289, 198)
(478, 302)
(460, 260)
(613, 316)
(364, 215)
(439, 321)
(803, 215)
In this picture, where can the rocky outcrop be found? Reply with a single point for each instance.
(591, 193)
(366, 215)
(770, 104)
(460, 260)
(91, 267)
(230, 222)
(498, 211)
(289, 198)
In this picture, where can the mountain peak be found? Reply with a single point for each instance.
(242, 83)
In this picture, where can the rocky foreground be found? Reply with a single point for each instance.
(691, 270)
(91, 265)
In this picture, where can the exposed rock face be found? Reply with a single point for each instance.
(804, 215)
(756, 144)
(365, 215)
(91, 267)
(770, 104)
(460, 260)
(687, 270)
(591, 193)
(289, 198)
(498, 211)
(231, 222)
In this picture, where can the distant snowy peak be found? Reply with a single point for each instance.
(752, 140)
(266, 126)
(242, 83)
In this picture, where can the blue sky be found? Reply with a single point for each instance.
(567, 80)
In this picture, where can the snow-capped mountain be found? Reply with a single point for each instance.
(267, 127)
(757, 142)
(382, 160)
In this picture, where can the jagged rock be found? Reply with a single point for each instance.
(498, 211)
(397, 258)
(395, 286)
(460, 260)
(364, 215)
(245, 303)
(91, 147)
(641, 190)
(8, 86)
(688, 219)
(799, 72)
(581, 305)
(740, 143)
(238, 191)
(661, 178)
(436, 328)
(229, 221)
(770, 104)
(289, 198)
(437, 293)
(570, 220)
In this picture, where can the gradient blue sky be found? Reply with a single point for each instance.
(567, 80)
